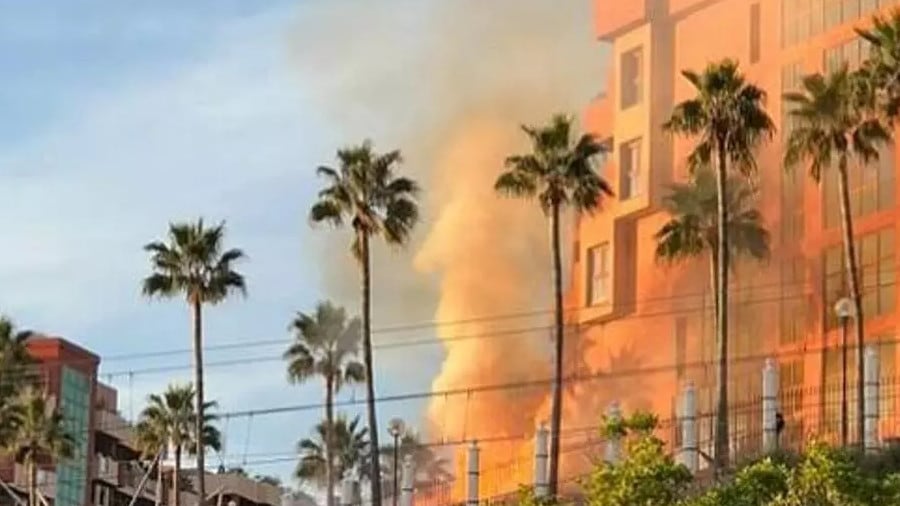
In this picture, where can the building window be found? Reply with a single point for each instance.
(792, 215)
(875, 261)
(802, 19)
(871, 189)
(793, 313)
(629, 169)
(632, 63)
(887, 365)
(598, 269)
(791, 80)
(755, 38)
(792, 181)
(833, 13)
(680, 347)
(834, 374)
(850, 53)
(71, 474)
(850, 11)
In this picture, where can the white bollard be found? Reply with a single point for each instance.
(690, 456)
(613, 444)
(541, 439)
(770, 406)
(348, 491)
(407, 481)
(472, 475)
(870, 397)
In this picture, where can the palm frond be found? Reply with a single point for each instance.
(325, 344)
(691, 231)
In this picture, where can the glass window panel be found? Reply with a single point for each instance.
(631, 84)
(832, 13)
(850, 11)
(816, 17)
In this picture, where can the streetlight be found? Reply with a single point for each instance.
(395, 429)
(843, 308)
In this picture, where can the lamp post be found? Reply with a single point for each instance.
(395, 429)
(843, 308)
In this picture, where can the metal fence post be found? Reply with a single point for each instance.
(472, 475)
(407, 481)
(541, 487)
(613, 443)
(770, 406)
(689, 453)
(348, 491)
(871, 386)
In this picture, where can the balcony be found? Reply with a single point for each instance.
(130, 475)
(46, 480)
(106, 469)
(111, 423)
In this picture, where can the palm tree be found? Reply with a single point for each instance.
(39, 432)
(559, 172)
(882, 67)
(364, 192)
(195, 264)
(351, 449)
(728, 121)
(429, 466)
(14, 373)
(325, 345)
(169, 419)
(151, 439)
(834, 126)
(692, 230)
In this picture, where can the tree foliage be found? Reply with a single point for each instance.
(351, 447)
(364, 191)
(692, 229)
(647, 475)
(559, 171)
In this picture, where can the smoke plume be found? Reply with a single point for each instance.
(449, 83)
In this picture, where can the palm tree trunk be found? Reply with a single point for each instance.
(714, 284)
(721, 456)
(853, 285)
(31, 471)
(175, 485)
(329, 440)
(375, 465)
(198, 380)
(556, 416)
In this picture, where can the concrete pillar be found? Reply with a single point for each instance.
(348, 492)
(614, 443)
(472, 475)
(407, 481)
(541, 440)
(690, 456)
(770, 406)
(870, 396)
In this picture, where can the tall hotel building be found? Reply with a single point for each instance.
(649, 324)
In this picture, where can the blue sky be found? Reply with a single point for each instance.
(120, 116)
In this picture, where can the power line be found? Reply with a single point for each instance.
(403, 343)
(426, 341)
